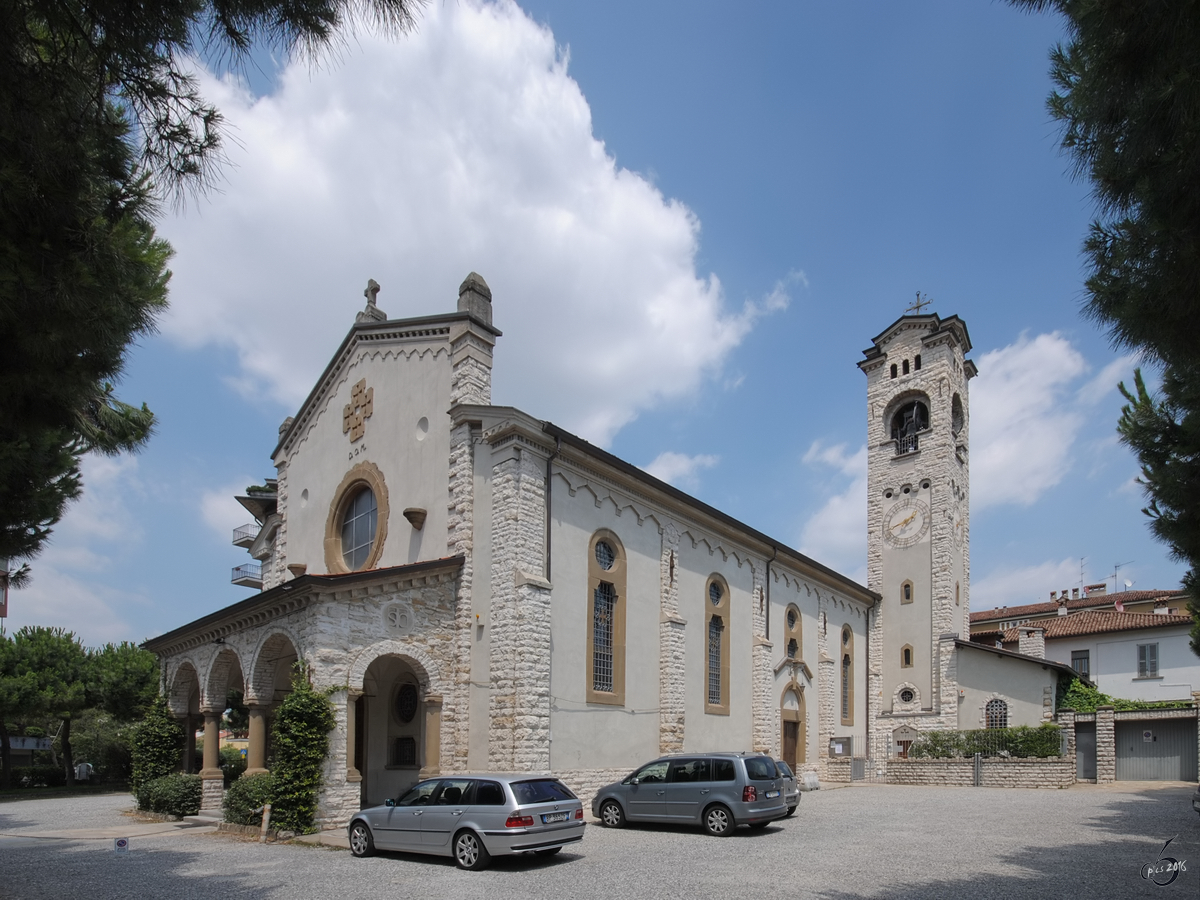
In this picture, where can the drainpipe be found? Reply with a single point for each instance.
(549, 460)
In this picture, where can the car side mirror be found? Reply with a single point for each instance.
(389, 802)
(634, 780)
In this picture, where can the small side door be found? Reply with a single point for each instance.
(402, 828)
(440, 819)
(647, 791)
(688, 787)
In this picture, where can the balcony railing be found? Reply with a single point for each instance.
(247, 575)
(906, 444)
(244, 535)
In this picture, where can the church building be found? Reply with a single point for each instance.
(483, 590)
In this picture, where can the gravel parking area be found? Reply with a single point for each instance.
(857, 842)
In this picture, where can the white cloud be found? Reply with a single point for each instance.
(680, 469)
(1099, 387)
(465, 146)
(1022, 423)
(221, 512)
(96, 536)
(1017, 587)
(836, 534)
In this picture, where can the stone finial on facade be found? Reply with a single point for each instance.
(371, 312)
(475, 297)
(1031, 642)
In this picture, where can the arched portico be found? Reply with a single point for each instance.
(224, 675)
(270, 682)
(183, 699)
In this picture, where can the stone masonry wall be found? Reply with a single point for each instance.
(1106, 748)
(460, 521)
(671, 647)
(519, 702)
(1010, 773)
(766, 713)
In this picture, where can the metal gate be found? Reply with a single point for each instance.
(1085, 751)
(1156, 750)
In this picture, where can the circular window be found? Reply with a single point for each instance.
(406, 702)
(907, 696)
(715, 593)
(791, 618)
(605, 555)
(358, 529)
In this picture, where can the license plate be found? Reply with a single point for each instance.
(547, 818)
(771, 795)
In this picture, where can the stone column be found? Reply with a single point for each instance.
(433, 736)
(352, 773)
(256, 755)
(213, 791)
(1066, 721)
(671, 647)
(1106, 746)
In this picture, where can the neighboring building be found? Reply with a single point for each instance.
(1133, 656)
(482, 590)
(989, 622)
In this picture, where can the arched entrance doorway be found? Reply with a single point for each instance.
(397, 728)
(793, 735)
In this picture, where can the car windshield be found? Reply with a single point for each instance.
(759, 768)
(783, 768)
(541, 790)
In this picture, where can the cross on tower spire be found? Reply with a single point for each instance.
(919, 304)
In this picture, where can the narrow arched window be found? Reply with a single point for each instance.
(606, 620)
(906, 592)
(917, 362)
(906, 656)
(904, 367)
(996, 714)
(847, 676)
(716, 669)
(893, 370)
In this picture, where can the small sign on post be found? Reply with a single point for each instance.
(120, 845)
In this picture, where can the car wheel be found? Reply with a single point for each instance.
(611, 814)
(361, 842)
(469, 852)
(549, 851)
(718, 821)
(792, 809)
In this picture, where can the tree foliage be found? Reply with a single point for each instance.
(157, 745)
(100, 117)
(1127, 92)
(301, 743)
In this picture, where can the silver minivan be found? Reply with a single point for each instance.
(717, 790)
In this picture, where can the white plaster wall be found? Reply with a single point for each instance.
(983, 676)
(1114, 663)
(788, 588)
(592, 736)
(844, 613)
(411, 381)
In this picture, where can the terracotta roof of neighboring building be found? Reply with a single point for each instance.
(1051, 607)
(1098, 621)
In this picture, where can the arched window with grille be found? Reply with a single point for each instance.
(996, 714)
(606, 619)
(792, 635)
(716, 656)
(907, 423)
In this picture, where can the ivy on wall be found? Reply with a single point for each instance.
(301, 743)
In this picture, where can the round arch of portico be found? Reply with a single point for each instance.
(426, 670)
(215, 686)
(259, 689)
(183, 681)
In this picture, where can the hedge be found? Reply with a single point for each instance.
(38, 776)
(1021, 742)
(245, 796)
(175, 795)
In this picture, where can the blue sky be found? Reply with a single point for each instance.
(693, 221)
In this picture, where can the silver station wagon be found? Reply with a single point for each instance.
(473, 818)
(717, 790)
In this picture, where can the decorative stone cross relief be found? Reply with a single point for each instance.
(358, 410)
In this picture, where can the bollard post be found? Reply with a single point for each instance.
(266, 823)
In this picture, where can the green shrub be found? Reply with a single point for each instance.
(38, 776)
(175, 795)
(157, 745)
(246, 795)
(1085, 698)
(301, 741)
(232, 763)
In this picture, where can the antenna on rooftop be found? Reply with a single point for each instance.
(919, 304)
(1116, 572)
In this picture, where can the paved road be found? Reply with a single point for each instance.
(857, 842)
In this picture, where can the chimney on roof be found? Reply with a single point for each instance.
(1062, 609)
(1053, 596)
(1031, 641)
(1097, 590)
(1065, 593)
(1074, 593)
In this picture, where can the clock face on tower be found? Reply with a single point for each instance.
(906, 523)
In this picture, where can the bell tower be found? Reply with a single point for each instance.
(918, 521)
